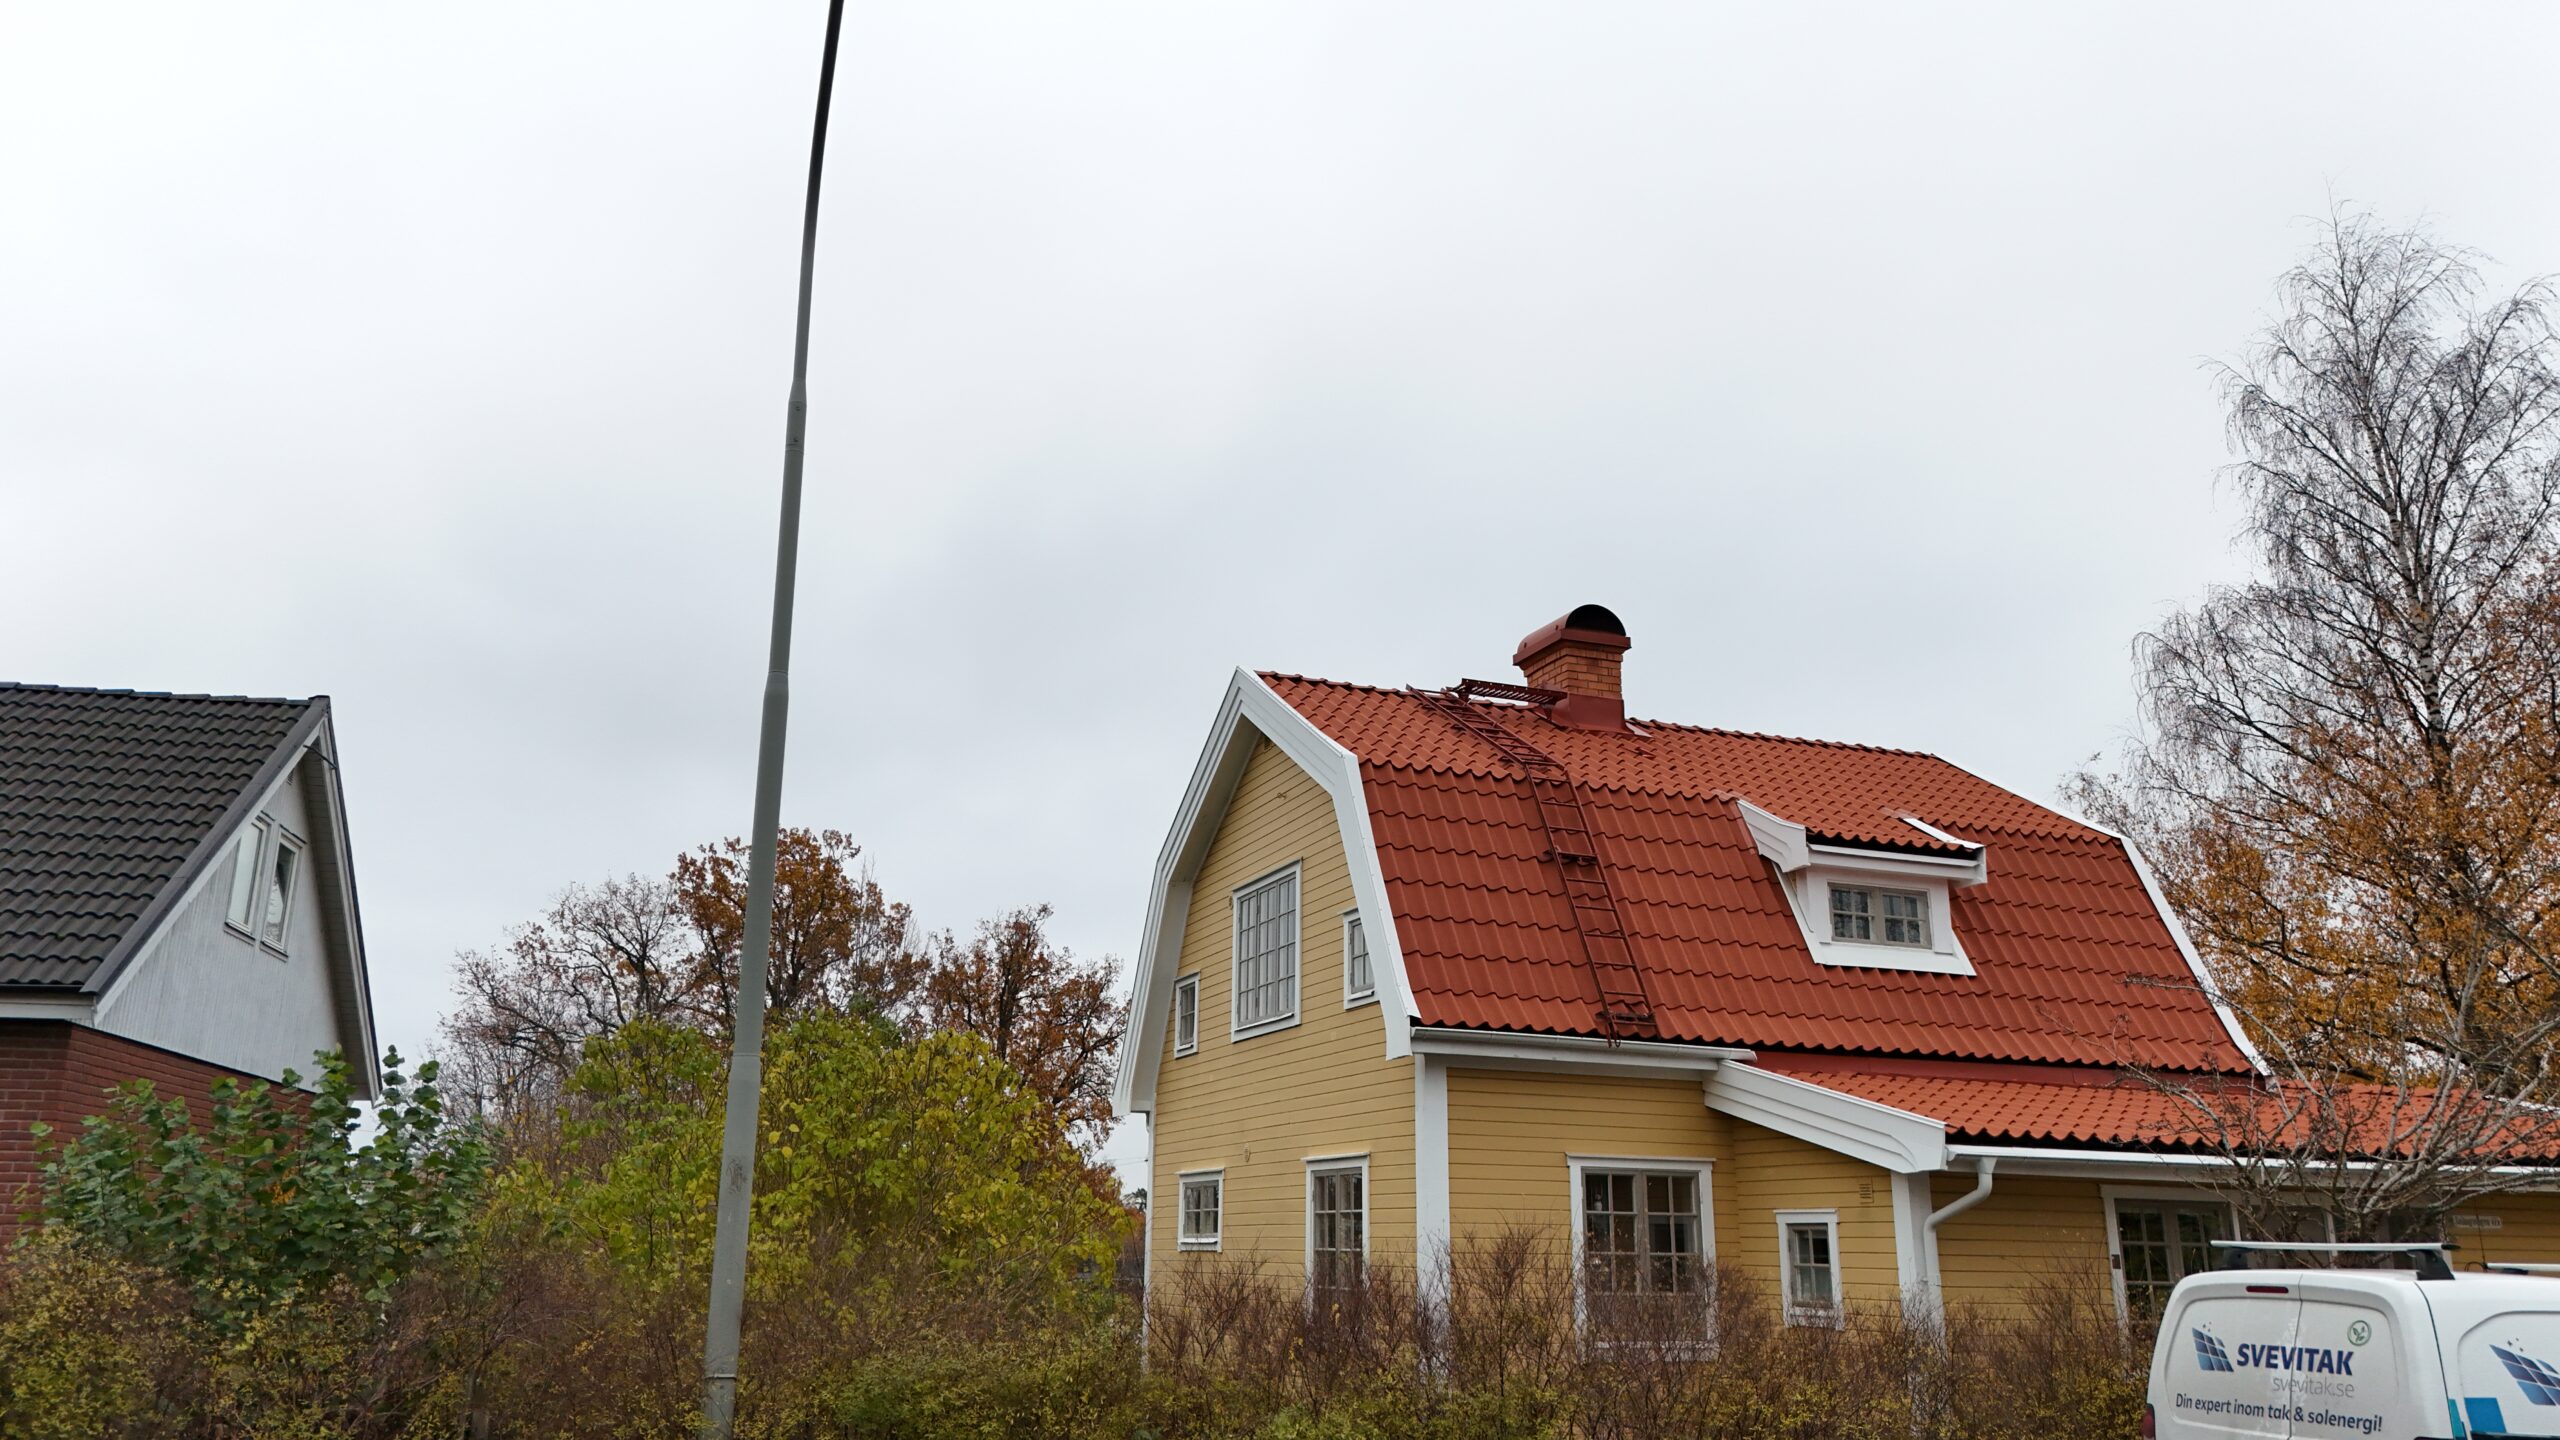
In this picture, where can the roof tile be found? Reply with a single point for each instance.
(2073, 963)
(103, 796)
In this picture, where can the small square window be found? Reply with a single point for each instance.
(242, 912)
(1809, 1243)
(1198, 1226)
(1879, 917)
(1186, 1014)
(1359, 982)
(1906, 917)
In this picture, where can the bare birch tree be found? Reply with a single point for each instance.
(2349, 766)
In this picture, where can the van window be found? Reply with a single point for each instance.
(2163, 1242)
(2509, 1380)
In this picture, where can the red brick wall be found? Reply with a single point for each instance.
(1575, 667)
(59, 1073)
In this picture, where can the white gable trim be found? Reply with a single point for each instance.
(1251, 712)
(1881, 1135)
(313, 768)
(2178, 933)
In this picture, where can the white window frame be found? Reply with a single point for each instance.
(1236, 1030)
(1808, 893)
(1834, 1315)
(1876, 917)
(256, 832)
(1182, 1183)
(1326, 1165)
(1351, 998)
(1576, 1166)
(2108, 1195)
(1186, 985)
(279, 841)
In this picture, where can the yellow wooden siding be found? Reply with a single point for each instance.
(1773, 1172)
(2030, 1232)
(1511, 1131)
(1258, 1107)
(2528, 1232)
(2039, 1231)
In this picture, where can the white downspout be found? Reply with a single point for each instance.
(1980, 1192)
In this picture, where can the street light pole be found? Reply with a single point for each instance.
(746, 1021)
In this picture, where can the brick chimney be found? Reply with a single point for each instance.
(1579, 654)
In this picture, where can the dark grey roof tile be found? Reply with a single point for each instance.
(104, 794)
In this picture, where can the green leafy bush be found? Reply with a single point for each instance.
(270, 1198)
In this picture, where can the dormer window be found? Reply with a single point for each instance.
(1867, 916)
(1868, 906)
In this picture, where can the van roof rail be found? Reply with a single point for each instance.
(2430, 1257)
(2519, 1267)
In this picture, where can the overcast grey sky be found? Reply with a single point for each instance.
(433, 357)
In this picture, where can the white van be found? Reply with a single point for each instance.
(2340, 1353)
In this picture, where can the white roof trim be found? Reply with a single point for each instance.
(1897, 1140)
(1251, 711)
(1515, 1050)
(1779, 839)
(2113, 1163)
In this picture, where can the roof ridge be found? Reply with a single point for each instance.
(41, 686)
(1728, 731)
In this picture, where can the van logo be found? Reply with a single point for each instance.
(2358, 1333)
(2540, 1383)
(2213, 1354)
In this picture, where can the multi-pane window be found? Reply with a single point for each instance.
(243, 909)
(1641, 1233)
(1808, 1242)
(1358, 983)
(1879, 917)
(1266, 969)
(1337, 1226)
(1186, 1014)
(1198, 1225)
(2162, 1242)
(282, 872)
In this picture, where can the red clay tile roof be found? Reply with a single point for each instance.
(2073, 964)
(2067, 1105)
(2003, 1104)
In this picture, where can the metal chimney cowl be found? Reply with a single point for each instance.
(1580, 654)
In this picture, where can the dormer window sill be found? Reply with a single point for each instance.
(1890, 957)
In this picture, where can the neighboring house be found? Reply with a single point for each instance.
(1421, 966)
(176, 903)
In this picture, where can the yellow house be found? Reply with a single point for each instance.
(1424, 965)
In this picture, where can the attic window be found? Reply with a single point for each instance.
(1867, 916)
(242, 912)
(1186, 1014)
(282, 873)
(1359, 981)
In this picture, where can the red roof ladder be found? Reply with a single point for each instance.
(1625, 1010)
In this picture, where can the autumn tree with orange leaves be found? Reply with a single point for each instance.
(2349, 770)
(634, 949)
(1047, 1014)
(837, 941)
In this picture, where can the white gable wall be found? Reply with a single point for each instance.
(200, 989)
